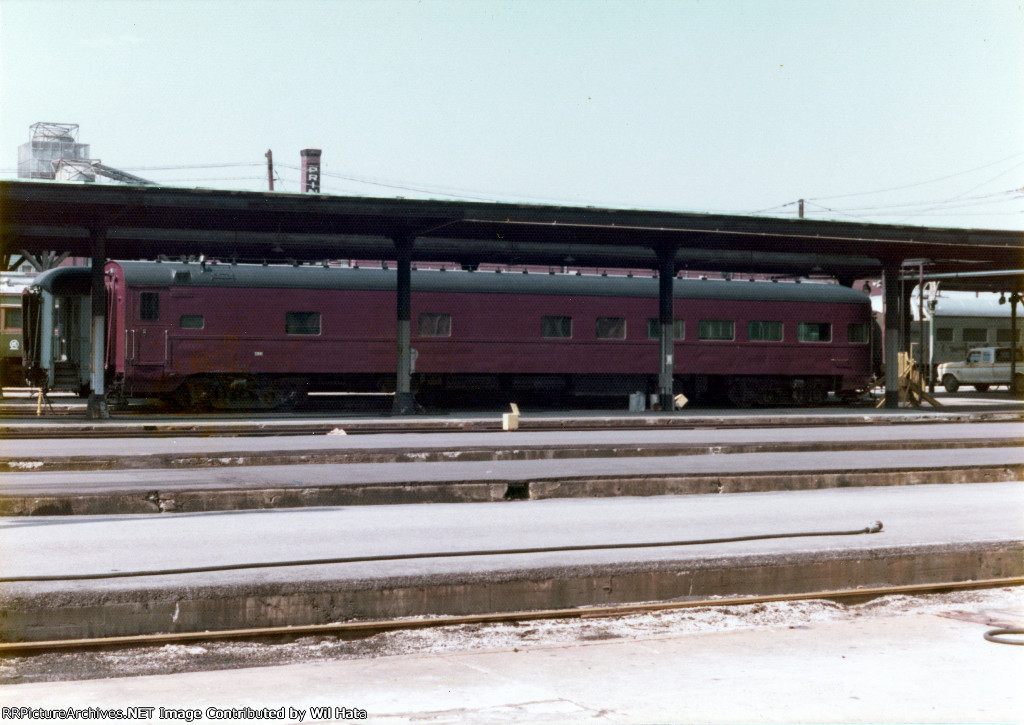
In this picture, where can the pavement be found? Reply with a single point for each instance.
(871, 665)
(160, 475)
(124, 575)
(181, 476)
(190, 450)
(67, 419)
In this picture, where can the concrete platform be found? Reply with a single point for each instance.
(932, 534)
(871, 664)
(193, 451)
(18, 420)
(227, 488)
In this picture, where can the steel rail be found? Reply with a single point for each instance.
(298, 424)
(468, 452)
(268, 429)
(370, 627)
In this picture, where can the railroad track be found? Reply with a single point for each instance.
(368, 628)
(131, 426)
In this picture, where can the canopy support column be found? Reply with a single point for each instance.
(666, 325)
(1014, 299)
(405, 403)
(893, 343)
(97, 408)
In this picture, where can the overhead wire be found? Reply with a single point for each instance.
(955, 203)
(398, 186)
(922, 183)
(921, 208)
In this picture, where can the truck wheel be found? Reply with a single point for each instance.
(981, 387)
(950, 383)
(1018, 384)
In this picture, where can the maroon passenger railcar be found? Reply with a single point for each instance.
(230, 335)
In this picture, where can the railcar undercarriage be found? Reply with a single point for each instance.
(240, 391)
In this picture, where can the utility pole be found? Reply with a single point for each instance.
(270, 168)
(801, 209)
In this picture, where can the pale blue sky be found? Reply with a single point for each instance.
(704, 106)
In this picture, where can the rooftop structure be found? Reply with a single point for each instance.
(48, 144)
(53, 152)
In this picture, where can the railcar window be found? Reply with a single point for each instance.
(1003, 335)
(12, 318)
(552, 326)
(302, 323)
(857, 332)
(716, 330)
(944, 334)
(611, 328)
(975, 334)
(434, 324)
(758, 330)
(814, 332)
(149, 306)
(654, 329)
(191, 322)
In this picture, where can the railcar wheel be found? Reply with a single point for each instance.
(193, 396)
(737, 394)
(950, 383)
(849, 397)
(818, 393)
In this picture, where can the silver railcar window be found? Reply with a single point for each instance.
(814, 332)
(654, 329)
(716, 330)
(764, 331)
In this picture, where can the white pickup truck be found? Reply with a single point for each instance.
(983, 368)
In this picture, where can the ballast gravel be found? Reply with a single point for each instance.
(996, 607)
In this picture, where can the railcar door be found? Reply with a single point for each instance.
(147, 340)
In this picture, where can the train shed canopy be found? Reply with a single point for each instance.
(1010, 280)
(141, 222)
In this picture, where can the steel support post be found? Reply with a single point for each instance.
(97, 407)
(1014, 299)
(893, 343)
(666, 323)
(404, 403)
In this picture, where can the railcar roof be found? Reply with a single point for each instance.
(166, 274)
(64, 281)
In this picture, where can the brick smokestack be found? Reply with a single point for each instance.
(310, 170)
